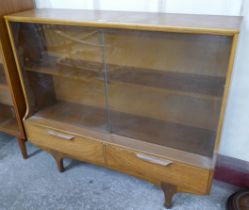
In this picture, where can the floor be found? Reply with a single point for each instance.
(36, 184)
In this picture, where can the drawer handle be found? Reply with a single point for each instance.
(60, 135)
(153, 159)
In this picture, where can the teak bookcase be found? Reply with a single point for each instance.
(12, 104)
(141, 93)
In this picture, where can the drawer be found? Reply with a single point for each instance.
(156, 170)
(81, 148)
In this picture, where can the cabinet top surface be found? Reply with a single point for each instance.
(186, 23)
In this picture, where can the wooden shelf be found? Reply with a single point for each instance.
(85, 70)
(49, 65)
(2, 76)
(178, 136)
(188, 108)
(8, 121)
(160, 104)
(190, 83)
(5, 97)
(76, 115)
(183, 137)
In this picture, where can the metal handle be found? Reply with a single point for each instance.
(60, 135)
(150, 159)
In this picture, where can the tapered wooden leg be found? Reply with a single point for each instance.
(22, 146)
(169, 191)
(59, 161)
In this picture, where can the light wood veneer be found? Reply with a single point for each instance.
(141, 93)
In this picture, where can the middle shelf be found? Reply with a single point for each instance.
(165, 105)
(202, 85)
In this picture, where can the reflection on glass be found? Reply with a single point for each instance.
(166, 88)
(63, 71)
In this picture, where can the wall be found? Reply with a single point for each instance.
(235, 138)
(220, 7)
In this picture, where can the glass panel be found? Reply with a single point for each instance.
(166, 88)
(63, 72)
(161, 88)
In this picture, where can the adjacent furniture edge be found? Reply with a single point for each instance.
(10, 69)
(232, 170)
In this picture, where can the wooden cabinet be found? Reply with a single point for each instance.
(141, 93)
(12, 104)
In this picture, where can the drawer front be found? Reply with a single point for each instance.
(85, 149)
(157, 170)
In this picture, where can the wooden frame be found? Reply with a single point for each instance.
(179, 165)
(11, 90)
